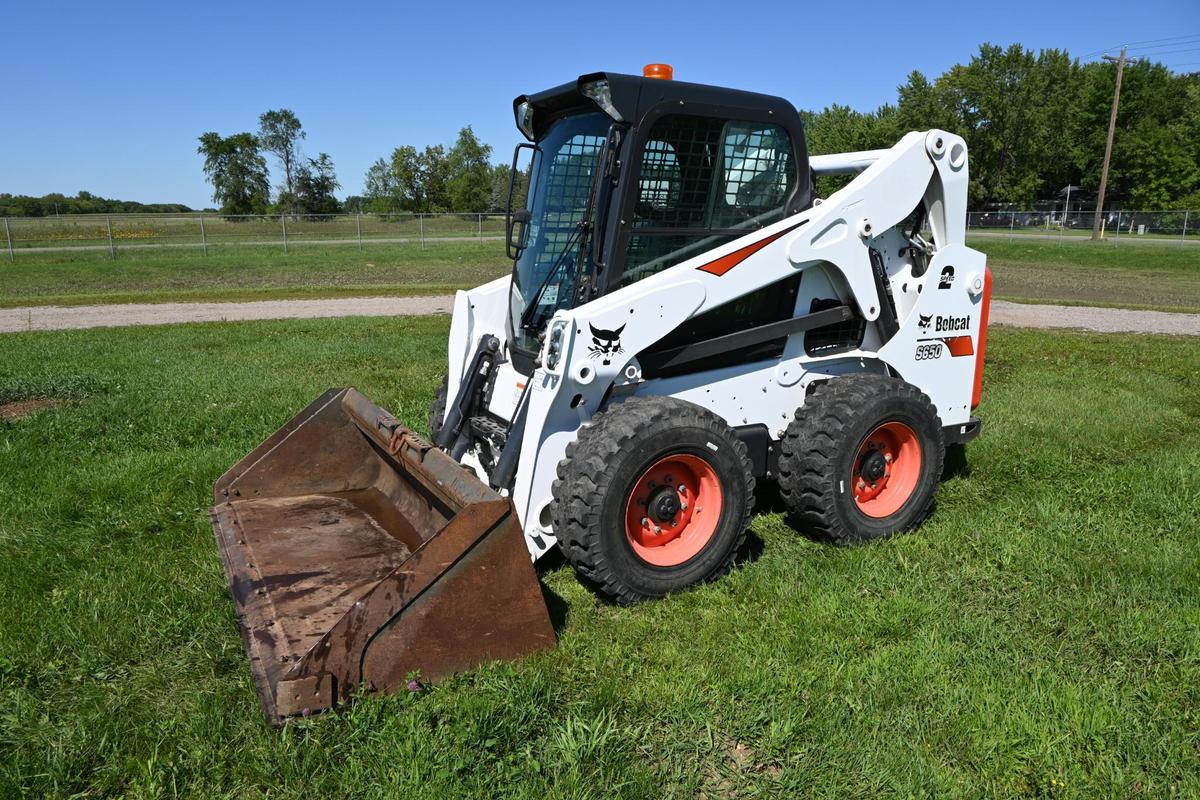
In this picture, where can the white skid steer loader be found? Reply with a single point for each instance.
(684, 318)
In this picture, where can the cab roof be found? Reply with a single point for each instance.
(633, 96)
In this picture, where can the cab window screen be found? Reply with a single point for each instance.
(704, 182)
(758, 171)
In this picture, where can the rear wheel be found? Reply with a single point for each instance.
(653, 496)
(862, 459)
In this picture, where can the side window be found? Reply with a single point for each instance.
(758, 172)
(703, 182)
(660, 181)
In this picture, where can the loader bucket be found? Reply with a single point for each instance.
(358, 555)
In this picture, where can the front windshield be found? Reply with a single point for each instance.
(560, 183)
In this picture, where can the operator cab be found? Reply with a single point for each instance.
(624, 176)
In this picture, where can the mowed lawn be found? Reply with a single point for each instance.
(238, 273)
(1037, 637)
(1164, 276)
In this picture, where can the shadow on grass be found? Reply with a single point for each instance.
(955, 464)
(558, 608)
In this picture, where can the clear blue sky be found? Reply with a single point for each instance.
(110, 97)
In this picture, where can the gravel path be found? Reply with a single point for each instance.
(44, 318)
(41, 318)
(1090, 318)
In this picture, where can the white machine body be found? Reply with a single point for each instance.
(940, 315)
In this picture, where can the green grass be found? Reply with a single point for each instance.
(1094, 273)
(1073, 272)
(1037, 637)
(248, 273)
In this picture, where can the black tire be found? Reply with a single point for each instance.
(437, 409)
(819, 455)
(602, 467)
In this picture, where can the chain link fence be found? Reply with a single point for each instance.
(1149, 227)
(111, 233)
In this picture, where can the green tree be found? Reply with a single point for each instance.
(1156, 157)
(279, 133)
(408, 184)
(468, 173)
(1012, 107)
(434, 173)
(381, 189)
(839, 129)
(237, 171)
(316, 182)
(498, 196)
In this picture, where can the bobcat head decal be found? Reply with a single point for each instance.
(925, 321)
(605, 344)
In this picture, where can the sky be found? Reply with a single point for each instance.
(111, 97)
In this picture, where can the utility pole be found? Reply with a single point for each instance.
(1112, 124)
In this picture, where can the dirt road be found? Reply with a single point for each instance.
(40, 318)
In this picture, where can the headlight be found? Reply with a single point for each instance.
(554, 344)
(525, 119)
(601, 93)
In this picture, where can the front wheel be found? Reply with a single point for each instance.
(862, 459)
(654, 495)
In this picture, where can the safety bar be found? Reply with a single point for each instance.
(844, 163)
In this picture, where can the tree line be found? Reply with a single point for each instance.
(53, 204)
(460, 178)
(236, 167)
(1037, 122)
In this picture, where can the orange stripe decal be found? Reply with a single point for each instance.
(959, 346)
(977, 390)
(725, 263)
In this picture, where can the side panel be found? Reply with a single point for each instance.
(481, 310)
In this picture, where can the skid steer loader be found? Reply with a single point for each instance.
(684, 319)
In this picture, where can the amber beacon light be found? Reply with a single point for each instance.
(660, 71)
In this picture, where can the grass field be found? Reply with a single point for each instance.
(1027, 270)
(1038, 637)
(1086, 273)
(248, 273)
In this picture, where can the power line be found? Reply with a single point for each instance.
(1168, 39)
(1174, 40)
(1167, 52)
(1159, 47)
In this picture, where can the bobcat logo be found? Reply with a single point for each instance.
(925, 321)
(605, 344)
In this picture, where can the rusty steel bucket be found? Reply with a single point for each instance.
(358, 555)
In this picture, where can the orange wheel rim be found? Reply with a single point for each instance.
(886, 469)
(673, 510)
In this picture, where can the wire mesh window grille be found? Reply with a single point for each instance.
(560, 186)
(758, 167)
(703, 182)
(568, 185)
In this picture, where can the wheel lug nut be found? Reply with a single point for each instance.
(657, 529)
(887, 457)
